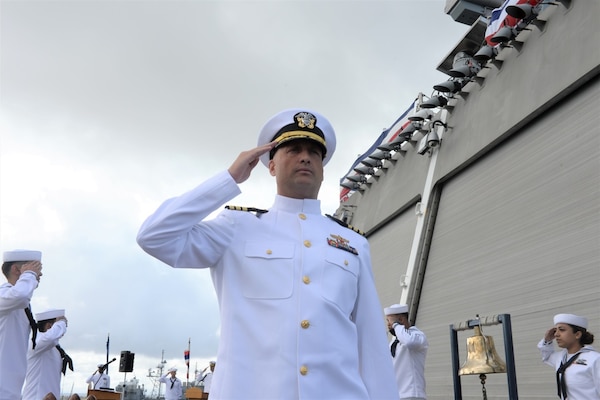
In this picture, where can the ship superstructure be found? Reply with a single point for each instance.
(484, 197)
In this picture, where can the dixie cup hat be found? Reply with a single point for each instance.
(22, 255)
(396, 309)
(571, 319)
(50, 314)
(294, 124)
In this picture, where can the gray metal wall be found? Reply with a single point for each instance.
(514, 224)
(518, 233)
(390, 247)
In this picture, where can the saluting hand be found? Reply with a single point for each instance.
(247, 160)
(549, 336)
(34, 266)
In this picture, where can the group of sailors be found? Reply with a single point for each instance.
(174, 386)
(29, 370)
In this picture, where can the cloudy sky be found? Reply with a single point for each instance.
(110, 107)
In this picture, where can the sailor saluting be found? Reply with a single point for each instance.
(295, 288)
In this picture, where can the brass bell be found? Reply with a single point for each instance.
(481, 356)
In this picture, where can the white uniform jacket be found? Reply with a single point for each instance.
(44, 364)
(14, 334)
(99, 381)
(295, 308)
(207, 381)
(582, 377)
(173, 387)
(409, 361)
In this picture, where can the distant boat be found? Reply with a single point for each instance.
(132, 390)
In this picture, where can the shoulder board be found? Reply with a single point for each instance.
(345, 225)
(258, 211)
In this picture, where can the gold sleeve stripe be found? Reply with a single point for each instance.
(247, 209)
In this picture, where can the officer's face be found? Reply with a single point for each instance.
(298, 169)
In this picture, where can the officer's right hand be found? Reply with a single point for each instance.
(247, 160)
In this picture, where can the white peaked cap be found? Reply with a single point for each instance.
(571, 319)
(100, 365)
(22, 255)
(50, 314)
(172, 369)
(294, 124)
(396, 309)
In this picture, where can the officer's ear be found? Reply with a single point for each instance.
(272, 167)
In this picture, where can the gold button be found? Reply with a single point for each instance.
(305, 324)
(345, 262)
(304, 370)
(302, 216)
(269, 251)
(307, 243)
(306, 279)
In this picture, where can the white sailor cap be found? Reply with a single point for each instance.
(173, 369)
(100, 365)
(211, 363)
(396, 309)
(50, 314)
(294, 124)
(22, 255)
(571, 319)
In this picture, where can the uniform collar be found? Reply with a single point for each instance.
(585, 349)
(287, 204)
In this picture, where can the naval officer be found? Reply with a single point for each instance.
(22, 269)
(297, 300)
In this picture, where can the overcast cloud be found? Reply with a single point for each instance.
(110, 107)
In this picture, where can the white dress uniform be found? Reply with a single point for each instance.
(44, 364)
(207, 381)
(582, 376)
(409, 362)
(14, 334)
(173, 387)
(295, 308)
(99, 381)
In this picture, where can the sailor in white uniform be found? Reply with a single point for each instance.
(409, 351)
(297, 300)
(173, 385)
(22, 269)
(45, 362)
(204, 378)
(577, 365)
(99, 379)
